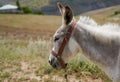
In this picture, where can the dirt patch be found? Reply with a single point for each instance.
(25, 33)
(27, 73)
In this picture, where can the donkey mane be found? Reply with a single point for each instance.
(106, 32)
(91, 22)
(87, 20)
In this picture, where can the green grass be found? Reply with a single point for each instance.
(82, 66)
(76, 67)
(32, 3)
(12, 56)
(5, 75)
(34, 53)
(116, 12)
(23, 79)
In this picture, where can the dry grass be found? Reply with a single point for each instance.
(34, 3)
(104, 12)
(26, 26)
(105, 15)
(30, 21)
(28, 62)
(19, 63)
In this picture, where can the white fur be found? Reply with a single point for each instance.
(109, 30)
(73, 45)
(87, 20)
(84, 20)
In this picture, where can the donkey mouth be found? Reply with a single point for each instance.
(57, 66)
(54, 66)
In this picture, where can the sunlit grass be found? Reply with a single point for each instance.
(34, 3)
(84, 67)
(30, 21)
(36, 53)
(12, 56)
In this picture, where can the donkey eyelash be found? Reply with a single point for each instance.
(55, 39)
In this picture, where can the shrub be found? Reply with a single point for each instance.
(5, 75)
(116, 12)
(45, 69)
(26, 10)
(78, 66)
(38, 13)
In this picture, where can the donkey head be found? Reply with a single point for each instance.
(64, 44)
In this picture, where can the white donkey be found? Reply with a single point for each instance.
(101, 44)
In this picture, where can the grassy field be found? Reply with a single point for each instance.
(25, 26)
(110, 14)
(30, 3)
(28, 61)
(25, 43)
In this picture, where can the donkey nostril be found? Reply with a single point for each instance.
(49, 62)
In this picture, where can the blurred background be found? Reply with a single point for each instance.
(49, 7)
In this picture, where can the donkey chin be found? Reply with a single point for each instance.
(54, 62)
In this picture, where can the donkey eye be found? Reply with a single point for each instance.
(55, 39)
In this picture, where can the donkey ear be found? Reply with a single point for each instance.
(66, 12)
(61, 8)
(68, 15)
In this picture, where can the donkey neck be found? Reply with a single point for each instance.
(95, 49)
